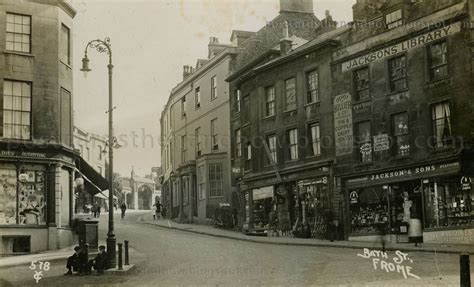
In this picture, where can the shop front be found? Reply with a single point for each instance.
(436, 195)
(299, 206)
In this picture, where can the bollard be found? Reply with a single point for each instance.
(86, 251)
(120, 256)
(126, 252)
(465, 270)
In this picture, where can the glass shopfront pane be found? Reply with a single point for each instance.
(32, 198)
(369, 210)
(8, 183)
(447, 204)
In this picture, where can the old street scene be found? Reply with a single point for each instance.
(236, 143)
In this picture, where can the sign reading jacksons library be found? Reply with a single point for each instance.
(401, 47)
(343, 124)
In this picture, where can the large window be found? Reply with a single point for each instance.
(248, 157)
(66, 117)
(183, 106)
(18, 33)
(238, 143)
(16, 110)
(398, 74)
(290, 94)
(272, 147)
(364, 141)
(183, 149)
(447, 204)
(362, 84)
(198, 142)
(270, 101)
(313, 86)
(215, 180)
(441, 116)
(237, 100)
(394, 19)
(438, 60)
(201, 182)
(197, 97)
(27, 204)
(246, 110)
(213, 88)
(401, 134)
(65, 45)
(293, 144)
(214, 134)
(315, 134)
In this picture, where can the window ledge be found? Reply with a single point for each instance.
(442, 150)
(401, 157)
(289, 111)
(292, 160)
(18, 53)
(391, 93)
(434, 83)
(215, 197)
(312, 104)
(314, 156)
(362, 101)
(269, 117)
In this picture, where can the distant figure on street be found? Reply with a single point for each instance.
(123, 207)
(99, 263)
(77, 262)
(156, 216)
(94, 210)
(98, 210)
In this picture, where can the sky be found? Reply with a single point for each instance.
(151, 41)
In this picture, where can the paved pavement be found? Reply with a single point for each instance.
(168, 257)
(210, 230)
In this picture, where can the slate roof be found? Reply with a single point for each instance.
(302, 25)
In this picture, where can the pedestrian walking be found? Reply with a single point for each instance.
(157, 205)
(123, 207)
(94, 210)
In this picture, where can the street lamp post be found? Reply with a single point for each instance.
(104, 46)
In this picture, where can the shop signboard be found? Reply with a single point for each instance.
(466, 183)
(23, 154)
(262, 193)
(381, 142)
(401, 47)
(343, 124)
(406, 172)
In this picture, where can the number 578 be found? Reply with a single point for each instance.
(43, 265)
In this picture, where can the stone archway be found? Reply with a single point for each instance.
(145, 197)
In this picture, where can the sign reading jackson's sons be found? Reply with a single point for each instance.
(401, 47)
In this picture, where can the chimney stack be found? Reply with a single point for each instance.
(365, 10)
(285, 43)
(187, 71)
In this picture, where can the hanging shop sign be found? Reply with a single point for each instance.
(322, 180)
(381, 142)
(354, 196)
(401, 47)
(466, 183)
(343, 124)
(23, 154)
(404, 173)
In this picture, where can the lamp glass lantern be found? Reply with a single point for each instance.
(85, 66)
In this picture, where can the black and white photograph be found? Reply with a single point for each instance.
(236, 143)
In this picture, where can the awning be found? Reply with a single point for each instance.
(104, 195)
(94, 182)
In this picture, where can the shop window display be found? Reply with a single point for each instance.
(314, 202)
(369, 210)
(447, 204)
(8, 183)
(24, 204)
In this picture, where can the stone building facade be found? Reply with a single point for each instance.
(37, 160)
(195, 139)
(402, 89)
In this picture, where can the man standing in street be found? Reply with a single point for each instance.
(123, 207)
(156, 216)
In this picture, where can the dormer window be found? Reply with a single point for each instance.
(394, 19)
